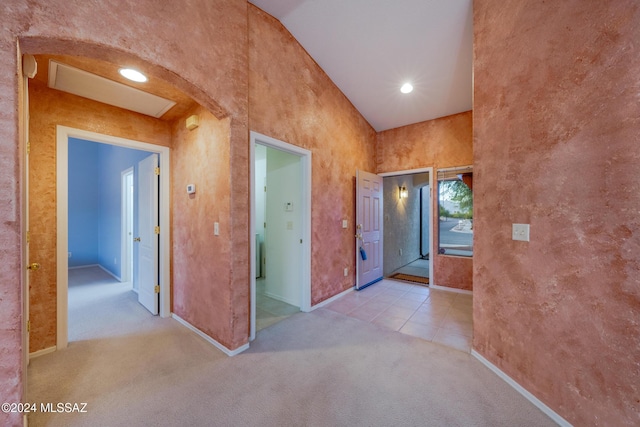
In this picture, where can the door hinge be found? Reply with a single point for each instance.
(265, 188)
(156, 229)
(28, 147)
(265, 225)
(28, 237)
(28, 326)
(156, 289)
(157, 170)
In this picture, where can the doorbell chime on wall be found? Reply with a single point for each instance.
(191, 189)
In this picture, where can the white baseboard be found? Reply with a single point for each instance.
(99, 266)
(42, 352)
(110, 273)
(208, 338)
(282, 299)
(332, 299)
(448, 289)
(527, 395)
(77, 267)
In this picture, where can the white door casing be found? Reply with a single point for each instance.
(369, 229)
(63, 133)
(148, 238)
(305, 158)
(25, 227)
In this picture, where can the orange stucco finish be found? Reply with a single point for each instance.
(202, 296)
(293, 100)
(556, 131)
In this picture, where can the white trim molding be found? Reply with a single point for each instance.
(524, 392)
(449, 289)
(305, 161)
(332, 299)
(42, 352)
(208, 339)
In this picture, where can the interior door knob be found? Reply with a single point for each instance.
(33, 266)
(136, 239)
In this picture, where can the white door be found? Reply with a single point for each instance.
(147, 238)
(368, 228)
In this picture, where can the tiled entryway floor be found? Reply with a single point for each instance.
(434, 315)
(270, 311)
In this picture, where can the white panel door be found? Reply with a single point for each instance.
(368, 228)
(147, 237)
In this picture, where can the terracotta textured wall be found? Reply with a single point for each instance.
(151, 36)
(556, 130)
(11, 370)
(49, 108)
(201, 157)
(293, 100)
(439, 143)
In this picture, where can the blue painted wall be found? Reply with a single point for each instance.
(84, 202)
(95, 200)
(114, 160)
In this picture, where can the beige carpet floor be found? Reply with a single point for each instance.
(311, 369)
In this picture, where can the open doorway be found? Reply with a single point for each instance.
(94, 183)
(280, 230)
(407, 225)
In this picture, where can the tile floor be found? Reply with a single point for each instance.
(434, 315)
(269, 310)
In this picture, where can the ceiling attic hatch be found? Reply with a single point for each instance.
(78, 82)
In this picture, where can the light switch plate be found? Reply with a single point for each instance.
(520, 232)
(216, 229)
(344, 223)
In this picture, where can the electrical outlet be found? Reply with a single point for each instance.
(346, 272)
(520, 232)
(344, 223)
(69, 254)
(216, 229)
(400, 251)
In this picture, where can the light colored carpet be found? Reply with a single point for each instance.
(311, 369)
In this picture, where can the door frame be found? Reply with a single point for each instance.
(126, 240)
(431, 221)
(63, 133)
(305, 160)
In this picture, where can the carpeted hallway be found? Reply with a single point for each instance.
(311, 369)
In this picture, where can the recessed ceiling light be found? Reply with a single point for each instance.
(133, 75)
(406, 88)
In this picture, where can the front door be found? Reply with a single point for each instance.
(368, 228)
(148, 233)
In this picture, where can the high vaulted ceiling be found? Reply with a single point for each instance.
(369, 48)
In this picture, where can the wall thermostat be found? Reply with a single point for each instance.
(191, 189)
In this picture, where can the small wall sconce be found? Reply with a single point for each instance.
(193, 122)
(402, 192)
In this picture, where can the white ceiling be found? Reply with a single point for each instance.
(369, 48)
